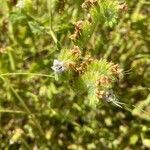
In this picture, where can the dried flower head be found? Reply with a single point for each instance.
(58, 66)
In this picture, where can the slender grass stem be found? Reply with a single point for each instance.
(26, 144)
(26, 73)
(53, 36)
(25, 107)
(49, 4)
(12, 111)
(50, 33)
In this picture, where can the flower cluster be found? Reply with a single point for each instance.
(58, 66)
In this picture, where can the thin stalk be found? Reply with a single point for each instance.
(25, 107)
(115, 41)
(26, 144)
(145, 2)
(12, 111)
(49, 4)
(139, 5)
(53, 36)
(26, 73)
(50, 33)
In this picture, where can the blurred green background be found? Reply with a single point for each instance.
(37, 112)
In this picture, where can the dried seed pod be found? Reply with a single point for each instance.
(76, 51)
(88, 3)
(80, 70)
(79, 25)
(89, 59)
(2, 50)
(73, 37)
(116, 70)
(123, 7)
(72, 66)
(103, 81)
(100, 94)
(83, 66)
(78, 29)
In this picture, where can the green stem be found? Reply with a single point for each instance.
(26, 73)
(25, 107)
(53, 36)
(50, 33)
(145, 2)
(12, 111)
(26, 144)
(139, 5)
(49, 4)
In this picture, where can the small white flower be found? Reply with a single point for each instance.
(58, 66)
(20, 4)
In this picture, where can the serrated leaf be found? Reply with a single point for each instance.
(36, 28)
(17, 17)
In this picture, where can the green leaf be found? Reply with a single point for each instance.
(134, 139)
(18, 17)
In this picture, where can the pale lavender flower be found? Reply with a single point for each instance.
(58, 66)
(20, 4)
(110, 97)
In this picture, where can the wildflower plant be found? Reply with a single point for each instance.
(88, 73)
(74, 74)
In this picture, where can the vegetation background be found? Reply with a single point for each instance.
(38, 112)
